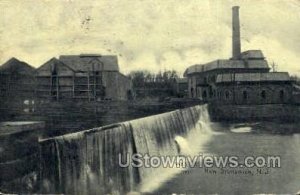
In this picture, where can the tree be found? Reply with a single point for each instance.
(138, 77)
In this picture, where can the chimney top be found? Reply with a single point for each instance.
(236, 40)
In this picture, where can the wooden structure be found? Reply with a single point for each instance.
(90, 77)
(16, 80)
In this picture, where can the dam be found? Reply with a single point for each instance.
(86, 162)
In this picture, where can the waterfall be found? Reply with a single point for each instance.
(87, 162)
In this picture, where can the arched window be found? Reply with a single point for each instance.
(192, 92)
(227, 94)
(281, 95)
(245, 95)
(204, 94)
(263, 94)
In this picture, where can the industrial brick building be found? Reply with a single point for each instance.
(91, 77)
(243, 79)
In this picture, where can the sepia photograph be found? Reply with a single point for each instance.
(149, 97)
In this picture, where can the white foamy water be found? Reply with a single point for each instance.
(241, 130)
(191, 144)
(87, 162)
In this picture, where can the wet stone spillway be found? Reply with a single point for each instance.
(87, 162)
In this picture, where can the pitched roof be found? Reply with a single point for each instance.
(14, 64)
(90, 62)
(51, 65)
(53, 61)
(253, 77)
(252, 54)
(227, 64)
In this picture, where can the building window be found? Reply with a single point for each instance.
(263, 94)
(192, 92)
(204, 95)
(227, 95)
(210, 92)
(245, 95)
(281, 95)
(214, 78)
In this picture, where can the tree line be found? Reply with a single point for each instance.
(144, 78)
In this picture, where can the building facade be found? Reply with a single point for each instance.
(181, 87)
(16, 80)
(91, 77)
(253, 88)
(243, 79)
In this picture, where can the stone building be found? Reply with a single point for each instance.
(253, 88)
(243, 79)
(92, 77)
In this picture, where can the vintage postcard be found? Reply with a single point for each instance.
(149, 97)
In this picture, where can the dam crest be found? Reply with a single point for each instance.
(87, 162)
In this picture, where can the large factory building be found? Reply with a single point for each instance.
(243, 79)
(77, 77)
(86, 76)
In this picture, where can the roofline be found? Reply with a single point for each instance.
(198, 72)
(54, 58)
(88, 55)
(234, 81)
(25, 63)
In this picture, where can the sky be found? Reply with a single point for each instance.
(155, 35)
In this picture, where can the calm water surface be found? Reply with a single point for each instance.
(243, 142)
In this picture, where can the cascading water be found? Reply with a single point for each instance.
(87, 162)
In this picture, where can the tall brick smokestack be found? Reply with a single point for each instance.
(236, 39)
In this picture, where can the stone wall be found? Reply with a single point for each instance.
(19, 153)
(265, 93)
(244, 113)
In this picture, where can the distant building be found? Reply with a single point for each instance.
(243, 79)
(92, 77)
(16, 80)
(181, 87)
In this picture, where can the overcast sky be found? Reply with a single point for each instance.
(149, 34)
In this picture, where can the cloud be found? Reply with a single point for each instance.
(153, 35)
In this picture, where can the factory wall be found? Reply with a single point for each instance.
(57, 81)
(54, 80)
(16, 85)
(117, 86)
(259, 93)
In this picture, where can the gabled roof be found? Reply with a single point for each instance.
(90, 62)
(15, 65)
(253, 77)
(52, 63)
